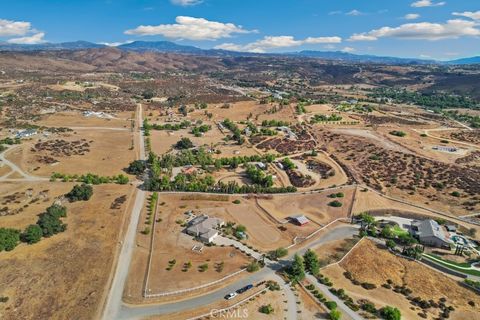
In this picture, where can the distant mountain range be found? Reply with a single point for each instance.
(167, 46)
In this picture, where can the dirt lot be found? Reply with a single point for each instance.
(314, 206)
(108, 153)
(77, 119)
(87, 244)
(333, 251)
(171, 243)
(310, 307)
(367, 263)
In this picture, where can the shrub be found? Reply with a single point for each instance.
(266, 309)
(368, 286)
(331, 305)
(398, 133)
(9, 239)
(253, 266)
(203, 267)
(335, 204)
(32, 234)
(277, 253)
(236, 201)
(390, 313)
(334, 315)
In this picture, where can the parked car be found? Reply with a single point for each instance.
(247, 287)
(231, 295)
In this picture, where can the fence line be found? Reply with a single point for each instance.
(162, 294)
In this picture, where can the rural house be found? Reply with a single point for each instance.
(204, 228)
(429, 232)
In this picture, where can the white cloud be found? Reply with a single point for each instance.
(411, 16)
(274, 42)
(115, 44)
(186, 3)
(468, 14)
(10, 28)
(354, 12)
(34, 39)
(329, 47)
(452, 29)
(427, 3)
(190, 28)
(348, 49)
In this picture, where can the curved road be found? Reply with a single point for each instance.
(136, 312)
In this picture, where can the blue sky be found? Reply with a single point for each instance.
(405, 28)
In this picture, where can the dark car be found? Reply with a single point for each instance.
(242, 290)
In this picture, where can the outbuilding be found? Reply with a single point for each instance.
(300, 220)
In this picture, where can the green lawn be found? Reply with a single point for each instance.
(398, 231)
(444, 262)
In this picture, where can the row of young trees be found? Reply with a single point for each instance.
(237, 134)
(89, 178)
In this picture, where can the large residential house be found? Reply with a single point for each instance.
(204, 228)
(429, 233)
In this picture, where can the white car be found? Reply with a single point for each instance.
(231, 295)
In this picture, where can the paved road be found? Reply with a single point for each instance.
(114, 298)
(136, 312)
(221, 240)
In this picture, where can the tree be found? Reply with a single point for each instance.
(148, 94)
(406, 239)
(335, 314)
(50, 221)
(9, 238)
(81, 192)
(184, 143)
(390, 313)
(137, 167)
(297, 269)
(288, 164)
(367, 219)
(387, 232)
(32, 234)
(311, 262)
